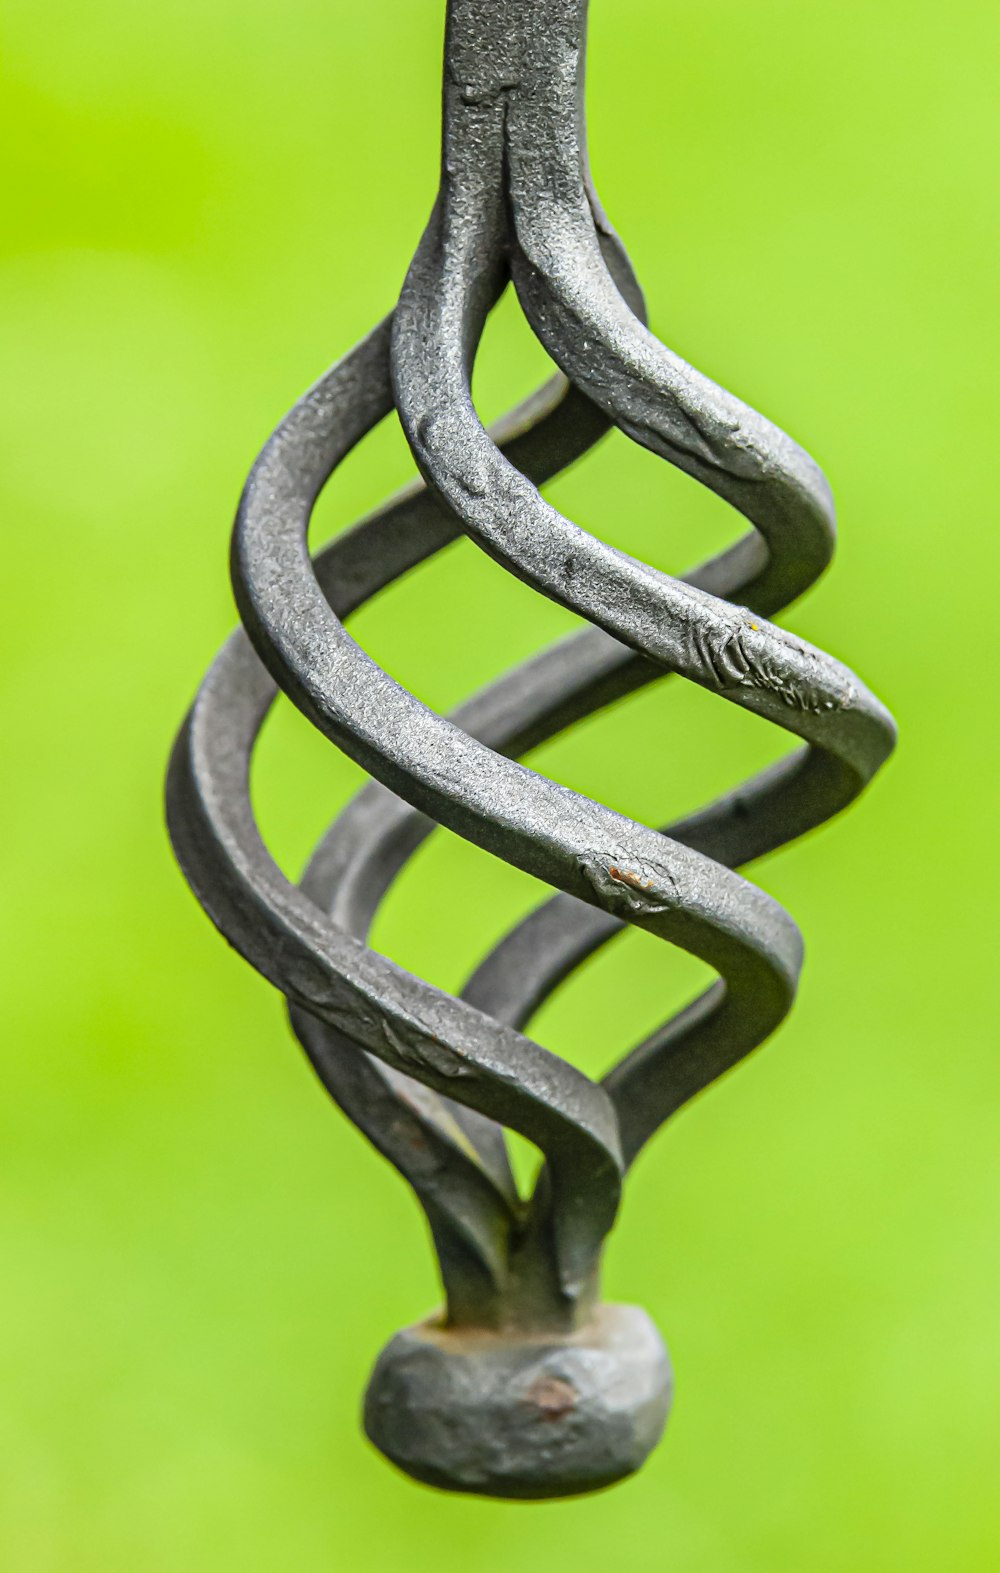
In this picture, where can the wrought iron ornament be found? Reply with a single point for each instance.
(527, 1385)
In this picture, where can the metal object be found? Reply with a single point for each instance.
(527, 1385)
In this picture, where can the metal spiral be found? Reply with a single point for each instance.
(527, 1386)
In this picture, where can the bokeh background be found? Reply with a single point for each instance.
(204, 204)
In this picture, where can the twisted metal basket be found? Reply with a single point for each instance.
(527, 1385)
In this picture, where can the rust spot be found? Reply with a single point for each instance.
(624, 876)
(552, 1397)
(644, 891)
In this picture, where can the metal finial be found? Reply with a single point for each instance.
(526, 1385)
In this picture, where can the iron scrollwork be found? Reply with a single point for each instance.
(527, 1384)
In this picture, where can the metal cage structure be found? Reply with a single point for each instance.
(527, 1384)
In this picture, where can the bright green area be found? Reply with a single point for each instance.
(204, 204)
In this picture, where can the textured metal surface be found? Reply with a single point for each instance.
(432, 1080)
(522, 1415)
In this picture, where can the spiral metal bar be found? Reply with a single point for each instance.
(431, 1079)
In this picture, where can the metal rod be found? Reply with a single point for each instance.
(527, 1385)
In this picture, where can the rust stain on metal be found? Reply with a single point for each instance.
(624, 876)
(552, 1397)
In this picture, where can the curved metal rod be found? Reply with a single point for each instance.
(435, 1074)
(351, 868)
(575, 844)
(408, 1025)
(671, 408)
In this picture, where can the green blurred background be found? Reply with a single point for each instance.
(204, 204)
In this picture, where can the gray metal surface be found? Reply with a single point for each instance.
(431, 1079)
(522, 1415)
